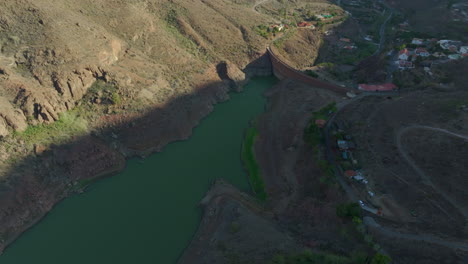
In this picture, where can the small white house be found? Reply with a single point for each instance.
(417, 41)
(422, 52)
(454, 56)
(464, 49)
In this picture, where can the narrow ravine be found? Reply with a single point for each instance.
(149, 212)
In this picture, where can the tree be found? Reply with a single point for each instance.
(381, 259)
(348, 210)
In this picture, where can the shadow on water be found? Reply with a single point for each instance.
(148, 212)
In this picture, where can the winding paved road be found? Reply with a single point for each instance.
(420, 172)
(382, 33)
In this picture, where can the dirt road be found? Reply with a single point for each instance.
(257, 4)
(420, 172)
(456, 245)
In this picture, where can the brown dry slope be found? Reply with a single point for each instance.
(416, 167)
(52, 52)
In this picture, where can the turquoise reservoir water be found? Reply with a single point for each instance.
(149, 212)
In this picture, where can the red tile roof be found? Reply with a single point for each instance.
(379, 87)
(320, 123)
(404, 51)
(304, 24)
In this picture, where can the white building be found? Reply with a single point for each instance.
(464, 49)
(417, 41)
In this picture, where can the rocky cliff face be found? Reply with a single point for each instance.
(52, 52)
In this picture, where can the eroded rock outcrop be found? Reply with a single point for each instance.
(10, 117)
(232, 74)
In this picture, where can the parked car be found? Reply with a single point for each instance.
(361, 203)
(371, 193)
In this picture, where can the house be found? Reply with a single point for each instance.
(464, 50)
(320, 123)
(404, 54)
(422, 52)
(417, 41)
(403, 64)
(359, 178)
(454, 56)
(368, 38)
(453, 48)
(350, 173)
(304, 24)
(348, 47)
(378, 88)
(345, 40)
(449, 44)
(345, 155)
(439, 55)
(342, 144)
(278, 27)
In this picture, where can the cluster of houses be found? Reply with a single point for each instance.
(346, 147)
(452, 50)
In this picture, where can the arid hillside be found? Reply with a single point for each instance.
(436, 17)
(52, 52)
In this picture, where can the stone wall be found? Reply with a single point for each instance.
(282, 70)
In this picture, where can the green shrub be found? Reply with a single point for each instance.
(312, 73)
(116, 98)
(381, 259)
(70, 124)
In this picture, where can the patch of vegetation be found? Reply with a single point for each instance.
(106, 93)
(23, 69)
(312, 73)
(235, 227)
(326, 64)
(349, 210)
(251, 165)
(263, 31)
(313, 134)
(172, 26)
(288, 34)
(70, 124)
(364, 50)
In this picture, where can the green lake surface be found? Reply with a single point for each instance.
(149, 212)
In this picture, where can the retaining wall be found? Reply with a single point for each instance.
(282, 70)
